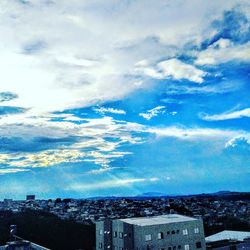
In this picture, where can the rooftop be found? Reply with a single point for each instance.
(156, 220)
(228, 235)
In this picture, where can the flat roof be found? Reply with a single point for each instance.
(156, 220)
(228, 235)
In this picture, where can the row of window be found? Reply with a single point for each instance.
(149, 236)
(121, 235)
(105, 232)
(160, 235)
(186, 247)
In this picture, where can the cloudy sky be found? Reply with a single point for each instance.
(124, 97)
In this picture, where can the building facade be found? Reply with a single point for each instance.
(166, 232)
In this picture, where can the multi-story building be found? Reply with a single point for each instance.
(166, 232)
(228, 239)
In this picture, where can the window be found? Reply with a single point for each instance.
(169, 248)
(120, 235)
(160, 235)
(179, 247)
(148, 237)
(173, 232)
(168, 232)
(186, 247)
(196, 230)
(174, 247)
(100, 231)
(100, 245)
(198, 244)
(162, 249)
(185, 232)
(178, 231)
(115, 234)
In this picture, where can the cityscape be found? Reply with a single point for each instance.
(217, 212)
(125, 125)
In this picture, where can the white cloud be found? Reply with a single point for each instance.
(45, 158)
(12, 170)
(99, 140)
(172, 68)
(80, 60)
(153, 112)
(178, 70)
(103, 110)
(228, 115)
(100, 170)
(238, 141)
(224, 53)
(193, 133)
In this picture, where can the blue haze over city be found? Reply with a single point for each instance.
(121, 98)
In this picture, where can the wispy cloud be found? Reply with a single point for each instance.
(12, 171)
(7, 96)
(112, 183)
(193, 133)
(96, 140)
(227, 115)
(41, 159)
(149, 114)
(104, 110)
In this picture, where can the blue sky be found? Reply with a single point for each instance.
(124, 97)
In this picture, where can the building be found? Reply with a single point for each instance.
(30, 197)
(22, 245)
(229, 245)
(227, 240)
(166, 232)
(17, 243)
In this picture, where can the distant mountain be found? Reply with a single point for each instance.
(105, 198)
(226, 194)
(152, 194)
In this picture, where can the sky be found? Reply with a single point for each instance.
(120, 98)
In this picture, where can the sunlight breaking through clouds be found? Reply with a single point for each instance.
(112, 183)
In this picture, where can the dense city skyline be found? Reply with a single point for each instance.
(101, 98)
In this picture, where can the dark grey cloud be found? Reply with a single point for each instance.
(36, 144)
(7, 96)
